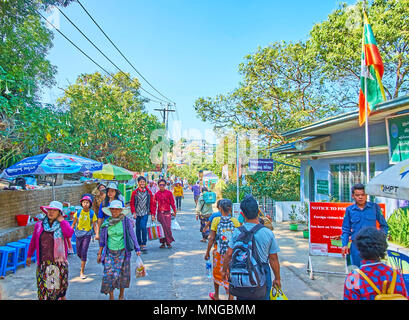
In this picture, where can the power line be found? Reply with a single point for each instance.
(122, 53)
(82, 33)
(85, 54)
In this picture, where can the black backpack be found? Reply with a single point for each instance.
(247, 276)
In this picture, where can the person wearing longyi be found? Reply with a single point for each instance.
(50, 241)
(114, 253)
(164, 201)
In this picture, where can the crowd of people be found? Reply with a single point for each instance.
(243, 251)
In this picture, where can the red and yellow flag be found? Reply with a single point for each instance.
(371, 73)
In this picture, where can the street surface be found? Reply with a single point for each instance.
(179, 273)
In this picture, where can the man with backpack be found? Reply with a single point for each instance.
(204, 209)
(252, 251)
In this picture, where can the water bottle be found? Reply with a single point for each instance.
(208, 269)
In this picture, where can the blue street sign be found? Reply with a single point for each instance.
(261, 165)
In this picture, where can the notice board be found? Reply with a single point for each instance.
(326, 224)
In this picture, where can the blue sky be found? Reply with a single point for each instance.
(185, 48)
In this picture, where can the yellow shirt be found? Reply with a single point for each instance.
(178, 191)
(215, 223)
(84, 221)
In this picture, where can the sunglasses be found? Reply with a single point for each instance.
(162, 185)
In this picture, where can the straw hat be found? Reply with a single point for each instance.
(53, 205)
(116, 204)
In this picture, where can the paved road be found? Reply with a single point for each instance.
(179, 273)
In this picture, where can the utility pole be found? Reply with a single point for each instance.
(164, 113)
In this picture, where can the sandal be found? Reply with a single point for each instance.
(211, 295)
(169, 246)
(162, 246)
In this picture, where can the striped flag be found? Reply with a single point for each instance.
(371, 73)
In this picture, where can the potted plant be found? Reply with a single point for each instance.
(304, 215)
(293, 218)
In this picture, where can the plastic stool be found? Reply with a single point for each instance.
(21, 252)
(8, 260)
(27, 243)
(29, 237)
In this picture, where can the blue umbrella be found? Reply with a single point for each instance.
(51, 163)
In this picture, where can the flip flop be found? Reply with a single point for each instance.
(211, 295)
(162, 246)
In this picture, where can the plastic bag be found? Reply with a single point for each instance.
(277, 294)
(140, 270)
(175, 225)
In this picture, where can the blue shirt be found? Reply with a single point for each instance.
(101, 214)
(265, 241)
(356, 219)
(196, 190)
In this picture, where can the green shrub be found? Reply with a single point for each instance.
(398, 224)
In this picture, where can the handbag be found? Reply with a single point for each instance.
(155, 231)
(277, 294)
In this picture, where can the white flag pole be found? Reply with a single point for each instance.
(368, 170)
(367, 134)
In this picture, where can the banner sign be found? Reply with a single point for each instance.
(326, 227)
(398, 138)
(236, 210)
(261, 165)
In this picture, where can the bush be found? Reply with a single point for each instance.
(230, 192)
(398, 224)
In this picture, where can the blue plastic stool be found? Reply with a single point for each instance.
(21, 252)
(29, 237)
(8, 260)
(27, 243)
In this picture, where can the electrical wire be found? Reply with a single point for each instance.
(92, 43)
(109, 39)
(85, 54)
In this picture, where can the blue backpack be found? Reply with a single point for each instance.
(209, 197)
(247, 278)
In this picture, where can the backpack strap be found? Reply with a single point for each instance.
(369, 281)
(391, 288)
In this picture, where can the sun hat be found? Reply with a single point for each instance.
(116, 204)
(112, 185)
(53, 205)
(85, 197)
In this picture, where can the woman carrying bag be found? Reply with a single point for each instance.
(165, 201)
(117, 241)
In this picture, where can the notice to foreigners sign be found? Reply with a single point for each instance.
(326, 225)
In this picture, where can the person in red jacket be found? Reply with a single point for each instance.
(142, 205)
(165, 201)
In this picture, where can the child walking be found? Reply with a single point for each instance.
(87, 223)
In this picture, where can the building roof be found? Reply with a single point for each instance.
(312, 138)
(349, 120)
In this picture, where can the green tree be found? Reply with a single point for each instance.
(281, 89)
(24, 70)
(107, 121)
(336, 44)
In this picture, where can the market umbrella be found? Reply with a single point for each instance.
(51, 163)
(111, 172)
(392, 183)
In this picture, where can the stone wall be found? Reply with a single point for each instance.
(17, 202)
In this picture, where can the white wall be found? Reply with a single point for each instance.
(283, 208)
